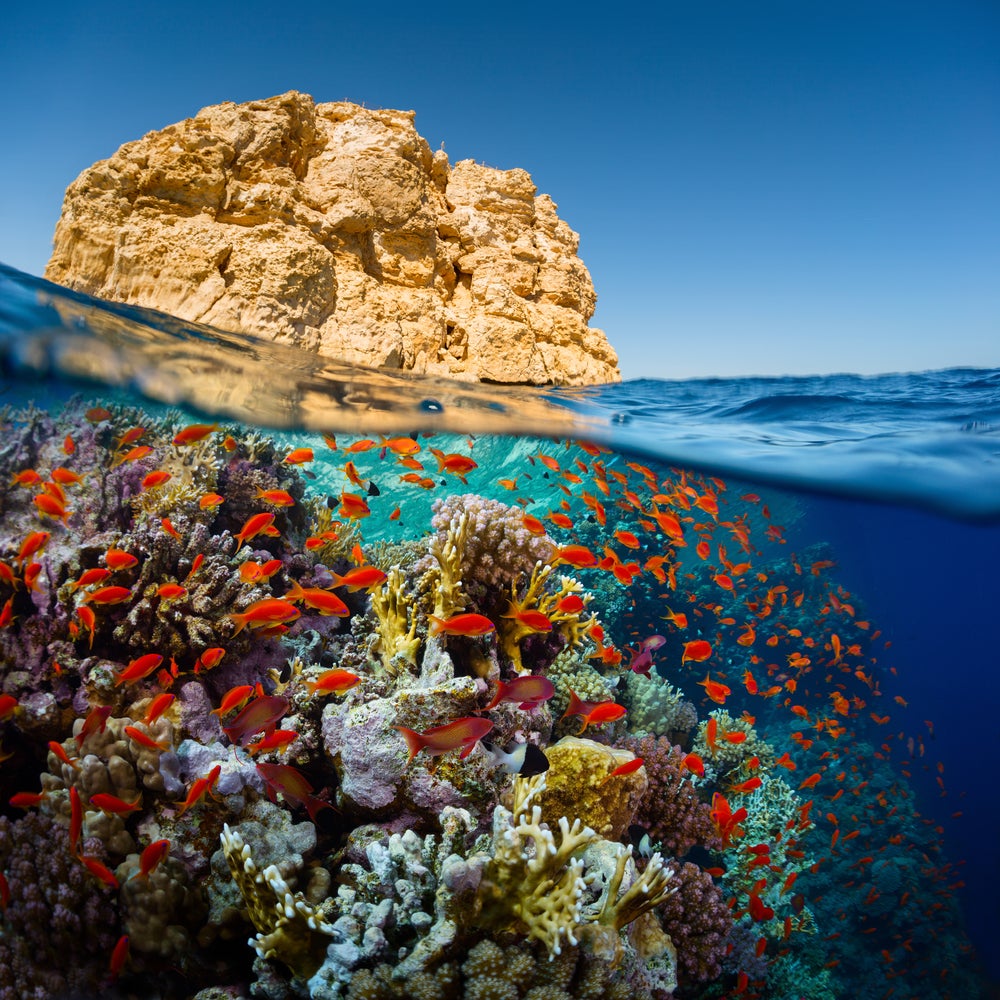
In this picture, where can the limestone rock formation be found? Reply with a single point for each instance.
(335, 227)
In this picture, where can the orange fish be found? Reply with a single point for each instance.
(234, 698)
(533, 525)
(333, 682)
(260, 614)
(208, 659)
(66, 477)
(318, 599)
(151, 857)
(277, 498)
(627, 768)
(108, 595)
(254, 526)
(144, 739)
(90, 577)
(171, 591)
(261, 716)
(49, 506)
(694, 764)
(116, 559)
(361, 578)
(139, 668)
(716, 691)
(576, 555)
(353, 507)
(458, 465)
(277, 740)
(199, 788)
(112, 804)
(96, 414)
(102, 872)
(697, 651)
(193, 433)
(154, 479)
(466, 624)
(134, 454)
(530, 619)
(210, 501)
(299, 456)
(437, 740)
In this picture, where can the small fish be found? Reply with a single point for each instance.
(277, 740)
(457, 465)
(26, 477)
(697, 651)
(108, 595)
(531, 619)
(277, 498)
(576, 555)
(116, 559)
(96, 414)
(151, 857)
(90, 577)
(27, 800)
(144, 739)
(170, 591)
(254, 526)
(139, 668)
(59, 751)
(607, 711)
(525, 759)
(193, 433)
(33, 543)
(629, 767)
(571, 604)
(437, 740)
(156, 708)
(353, 507)
(66, 477)
(465, 624)
(261, 715)
(318, 599)
(335, 681)
(154, 479)
(208, 659)
(210, 501)
(95, 722)
(265, 613)
(234, 698)
(115, 806)
(134, 454)
(694, 764)
(299, 456)
(101, 872)
(293, 785)
(360, 578)
(49, 506)
(527, 692)
(715, 690)
(8, 706)
(199, 788)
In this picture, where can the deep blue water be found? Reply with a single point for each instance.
(896, 477)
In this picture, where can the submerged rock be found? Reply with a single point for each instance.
(335, 227)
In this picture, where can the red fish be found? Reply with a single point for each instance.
(28, 800)
(260, 614)
(530, 618)
(115, 806)
(156, 708)
(527, 692)
(254, 526)
(199, 788)
(318, 599)
(90, 577)
(261, 715)
(576, 555)
(607, 711)
(694, 764)
(209, 658)
(144, 739)
(716, 691)
(571, 604)
(464, 733)
(152, 855)
(361, 578)
(234, 698)
(139, 668)
(277, 498)
(8, 706)
(95, 722)
(465, 624)
(277, 740)
(51, 507)
(298, 456)
(101, 872)
(210, 501)
(171, 591)
(333, 682)
(697, 651)
(116, 559)
(153, 479)
(193, 433)
(628, 767)
(34, 542)
(293, 785)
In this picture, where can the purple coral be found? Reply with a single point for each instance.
(698, 921)
(671, 810)
(60, 925)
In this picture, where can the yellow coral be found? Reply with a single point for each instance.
(448, 596)
(289, 927)
(397, 623)
(578, 784)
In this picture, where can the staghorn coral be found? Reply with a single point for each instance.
(671, 810)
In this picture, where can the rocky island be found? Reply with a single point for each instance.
(335, 227)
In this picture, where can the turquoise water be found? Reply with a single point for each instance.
(810, 559)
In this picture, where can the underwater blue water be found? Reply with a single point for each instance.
(892, 479)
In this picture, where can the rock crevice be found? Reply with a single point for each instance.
(335, 227)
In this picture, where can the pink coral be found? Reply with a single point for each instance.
(698, 921)
(671, 810)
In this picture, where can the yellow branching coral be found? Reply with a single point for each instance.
(536, 598)
(289, 927)
(532, 884)
(397, 640)
(449, 598)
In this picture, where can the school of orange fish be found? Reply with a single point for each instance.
(740, 622)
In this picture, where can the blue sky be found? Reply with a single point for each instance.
(768, 188)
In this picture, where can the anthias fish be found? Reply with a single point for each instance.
(464, 733)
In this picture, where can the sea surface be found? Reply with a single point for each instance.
(815, 556)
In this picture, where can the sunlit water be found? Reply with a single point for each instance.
(824, 548)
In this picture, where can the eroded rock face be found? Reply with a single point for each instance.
(336, 228)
